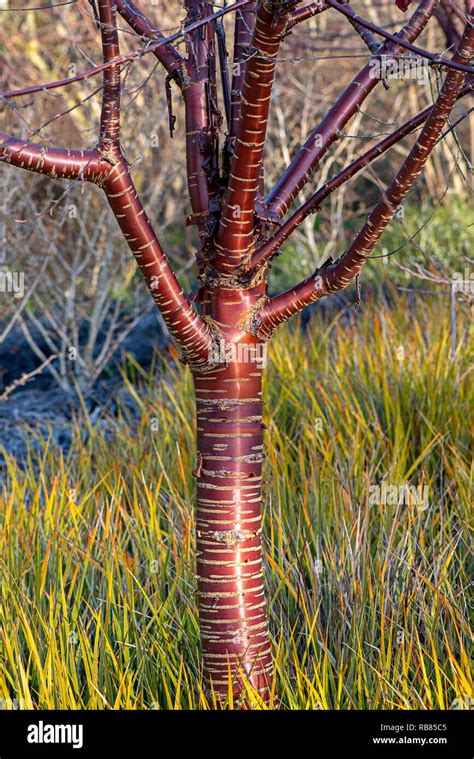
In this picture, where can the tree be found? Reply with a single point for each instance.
(223, 328)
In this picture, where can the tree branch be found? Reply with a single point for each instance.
(265, 253)
(199, 92)
(327, 132)
(366, 36)
(308, 11)
(446, 22)
(110, 116)
(129, 57)
(336, 276)
(167, 54)
(224, 68)
(235, 233)
(186, 327)
(190, 332)
(358, 20)
(202, 115)
(243, 33)
(57, 163)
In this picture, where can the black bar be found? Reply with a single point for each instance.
(313, 734)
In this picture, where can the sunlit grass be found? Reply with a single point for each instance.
(367, 603)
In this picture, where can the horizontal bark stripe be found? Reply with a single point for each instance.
(232, 607)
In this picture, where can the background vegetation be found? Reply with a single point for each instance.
(368, 603)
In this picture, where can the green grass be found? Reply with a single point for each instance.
(438, 233)
(367, 603)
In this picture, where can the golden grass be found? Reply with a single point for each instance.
(367, 603)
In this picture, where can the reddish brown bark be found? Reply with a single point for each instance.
(232, 604)
(202, 115)
(236, 226)
(166, 53)
(265, 253)
(307, 11)
(57, 163)
(243, 33)
(187, 328)
(110, 117)
(327, 132)
(335, 276)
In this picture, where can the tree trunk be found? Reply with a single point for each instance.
(234, 630)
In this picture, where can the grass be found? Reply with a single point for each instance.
(438, 233)
(368, 602)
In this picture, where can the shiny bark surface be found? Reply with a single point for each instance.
(230, 454)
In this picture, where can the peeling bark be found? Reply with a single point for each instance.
(232, 605)
(237, 221)
(327, 132)
(334, 276)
